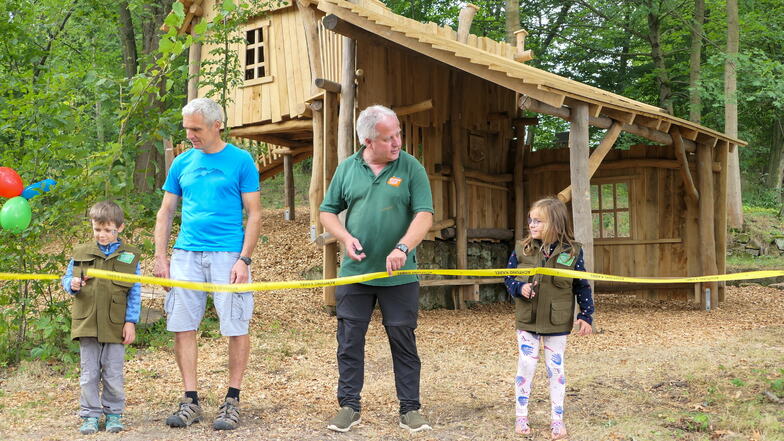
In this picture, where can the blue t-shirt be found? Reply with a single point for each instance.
(211, 187)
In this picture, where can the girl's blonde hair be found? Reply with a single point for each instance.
(557, 226)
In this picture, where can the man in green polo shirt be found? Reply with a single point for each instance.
(389, 210)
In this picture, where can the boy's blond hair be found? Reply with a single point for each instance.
(105, 212)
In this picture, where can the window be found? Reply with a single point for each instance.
(256, 55)
(610, 210)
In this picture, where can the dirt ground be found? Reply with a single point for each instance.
(649, 366)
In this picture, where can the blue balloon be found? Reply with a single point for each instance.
(39, 187)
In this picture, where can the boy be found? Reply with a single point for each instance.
(104, 316)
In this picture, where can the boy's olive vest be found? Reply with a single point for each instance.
(99, 307)
(551, 310)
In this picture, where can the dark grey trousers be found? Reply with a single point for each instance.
(399, 307)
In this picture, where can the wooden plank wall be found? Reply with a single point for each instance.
(659, 211)
(287, 61)
(397, 77)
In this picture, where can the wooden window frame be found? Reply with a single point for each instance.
(265, 46)
(628, 181)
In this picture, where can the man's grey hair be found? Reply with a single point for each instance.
(209, 110)
(367, 120)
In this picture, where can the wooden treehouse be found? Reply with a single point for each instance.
(652, 210)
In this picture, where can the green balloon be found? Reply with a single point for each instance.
(16, 214)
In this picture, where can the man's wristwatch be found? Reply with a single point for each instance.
(402, 247)
(247, 260)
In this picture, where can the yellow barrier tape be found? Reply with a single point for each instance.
(267, 286)
(16, 276)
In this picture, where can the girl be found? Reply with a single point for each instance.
(545, 306)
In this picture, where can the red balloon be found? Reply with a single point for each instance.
(10, 183)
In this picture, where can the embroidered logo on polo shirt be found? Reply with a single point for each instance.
(394, 181)
(565, 259)
(126, 257)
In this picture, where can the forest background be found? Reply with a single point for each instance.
(90, 90)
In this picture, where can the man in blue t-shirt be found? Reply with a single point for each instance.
(215, 181)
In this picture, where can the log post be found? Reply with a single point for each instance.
(581, 184)
(316, 190)
(194, 66)
(288, 186)
(461, 218)
(721, 216)
(680, 153)
(596, 157)
(706, 224)
(310, 25)
(347, 100)
(519, 196)
(464, 20)
(330, 164)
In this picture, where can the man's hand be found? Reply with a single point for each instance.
(395, 260)
(129, 333)
(527, 290)
(584, 327)
(161, 269)
(354, 249)
(239, 272)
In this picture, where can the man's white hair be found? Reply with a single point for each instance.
(209, 110)
(367, 120)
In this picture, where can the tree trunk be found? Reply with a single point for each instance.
(776, 161)
(734, 202)
(512, 20)
(662, 77)
(149, 160)
(695, 62)
(128, 41)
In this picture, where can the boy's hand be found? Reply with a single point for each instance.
(77, 284)
(129, 333)
(527, 290)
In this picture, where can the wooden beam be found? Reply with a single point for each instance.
(464, 19)
(325, 238)
(533, 105)
(459, 180)
(680, 153)
(619, 164)
(194, 67)
(347, 100)
(440, 225)
(480, 233)
(277, 140)
(271, 172)
(581, 185)
(329, 86)
(706, 225)
(479, 175)
(414, 108)
(292, 125)
(290, 151)
(316, 189)
(459, 282)
(288, 187)
(596, 158)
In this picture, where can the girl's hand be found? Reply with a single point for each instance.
(527, 290)
(584, 327)
(77, 284)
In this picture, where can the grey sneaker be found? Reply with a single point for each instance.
(187, 414)
(344, 420)
(228, 415)
(414, 421)
(89, 426)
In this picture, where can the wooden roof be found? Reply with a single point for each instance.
(493, 61)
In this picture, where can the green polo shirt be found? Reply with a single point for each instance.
(379, 210)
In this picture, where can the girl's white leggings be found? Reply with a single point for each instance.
(528, 347)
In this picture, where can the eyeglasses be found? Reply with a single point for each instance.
(534, 222)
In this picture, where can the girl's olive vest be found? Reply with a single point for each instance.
(99, 307)
(551, 310)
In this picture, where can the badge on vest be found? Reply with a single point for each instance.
(565, 259)
(394, 181)
(126, 257)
